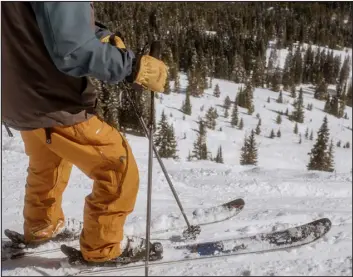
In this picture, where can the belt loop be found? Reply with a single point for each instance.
(48, 135)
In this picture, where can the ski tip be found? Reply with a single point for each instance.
(326, 221)
(14, 236)
(235, 204)
(68, 251)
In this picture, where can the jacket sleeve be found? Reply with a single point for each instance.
(74, 45)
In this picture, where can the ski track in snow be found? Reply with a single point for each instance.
(279, 192)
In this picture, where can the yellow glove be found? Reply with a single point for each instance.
(151, 73)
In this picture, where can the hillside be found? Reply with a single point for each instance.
(279, 192)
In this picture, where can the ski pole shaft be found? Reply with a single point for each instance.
(149, 189)
(154, 52)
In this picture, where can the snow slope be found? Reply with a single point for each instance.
(279, 192)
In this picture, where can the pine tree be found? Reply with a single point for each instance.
(319, 155)
(217, 91)
(215, 113)
(226, 114)
(258, 129)
(334, 105)
(227, 102)
(167, 89)
(211, 118)
(298, 66)
(279, 119)
(249, 151)
(308, 65)
(219, 156)
(279, 133)
(349, 95)
(192, 82)
(238, 73)
(259, 72)
(241, 124)
(330, 159)
(311, 135)
(344, 73)
(165, 139)
(280, 98)
(276, 80)
(245, 97)
(251, 109)
(189, 158)
(292, 92)
(298, 113)
(200, 147)
(307, 133)
(327, 107)
(321, 90)
(234, 118)
(172, 147)
(177, 84)
(287, 79)
(341, 109)
(271, 64)
(295, 128)
(186, 107)
(272, 134)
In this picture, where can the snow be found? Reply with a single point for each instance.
(211, 33)
(279, 192)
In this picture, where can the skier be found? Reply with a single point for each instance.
(50, 49)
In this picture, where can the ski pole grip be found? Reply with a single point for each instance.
(155, 50)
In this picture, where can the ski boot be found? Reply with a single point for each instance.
(134, 250)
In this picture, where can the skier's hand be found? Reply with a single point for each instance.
(150, 73)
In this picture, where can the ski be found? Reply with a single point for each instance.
(256, 244)
(16, 247)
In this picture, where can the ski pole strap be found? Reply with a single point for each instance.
(9, 133)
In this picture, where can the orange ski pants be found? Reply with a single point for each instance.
(104, 155)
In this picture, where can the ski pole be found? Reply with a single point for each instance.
(192, 231)
(154, 52)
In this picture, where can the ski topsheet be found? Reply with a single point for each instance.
(16, 247)
(256, 244)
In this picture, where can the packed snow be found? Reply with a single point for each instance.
(279, 192)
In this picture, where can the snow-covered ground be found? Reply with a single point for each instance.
(279, 192)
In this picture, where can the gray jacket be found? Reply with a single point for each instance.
(75, 48)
